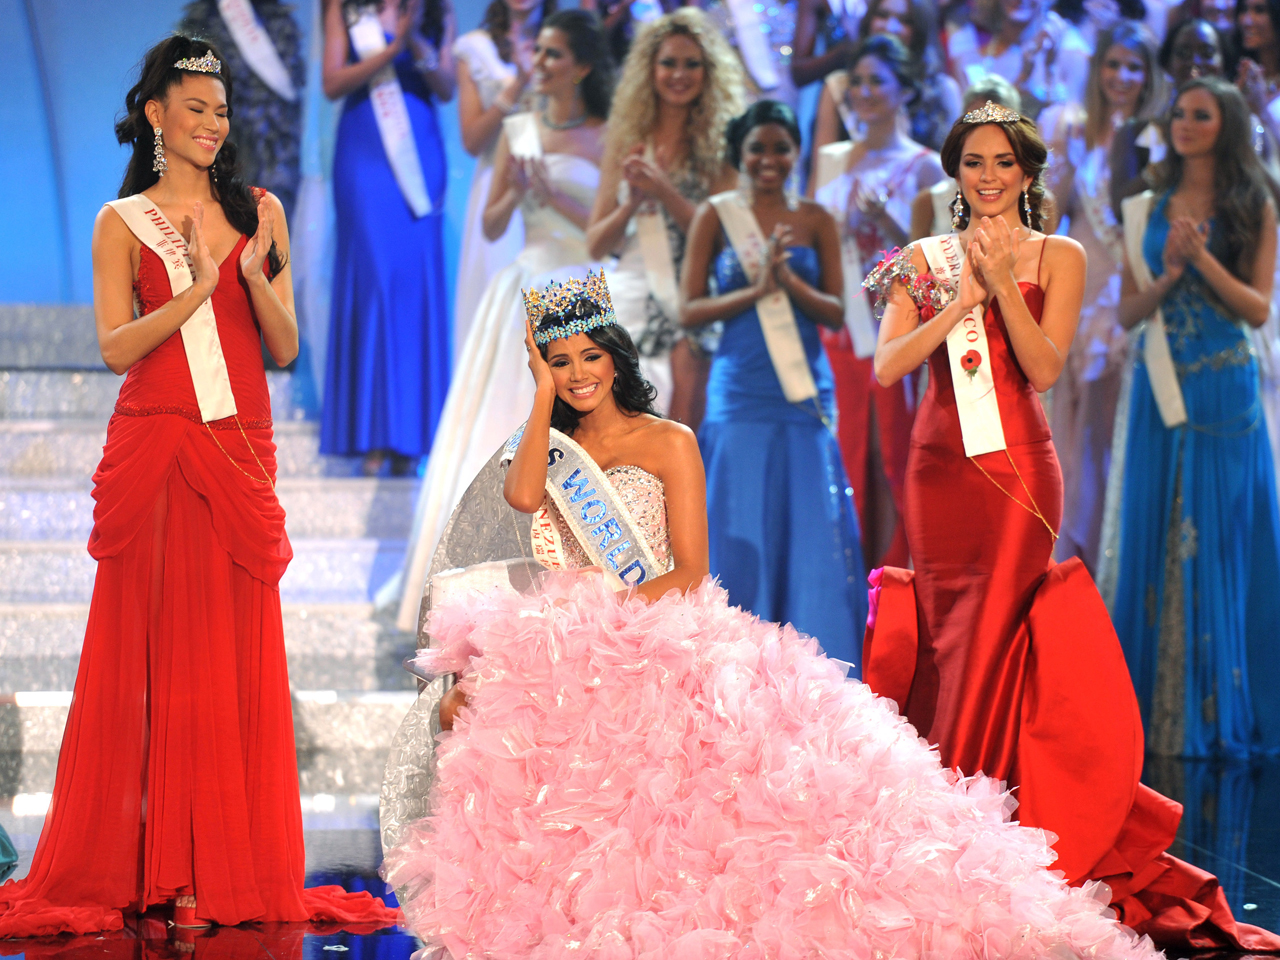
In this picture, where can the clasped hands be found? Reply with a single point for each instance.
(990, 260)
(647, 180)
(528, 175)
(1184, 246)
(774, 271)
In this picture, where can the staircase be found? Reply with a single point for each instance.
(348, 534)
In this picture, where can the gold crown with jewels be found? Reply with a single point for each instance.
(992, 113)
(566, 304)
(206, 64)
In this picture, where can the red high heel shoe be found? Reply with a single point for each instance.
(185, 918)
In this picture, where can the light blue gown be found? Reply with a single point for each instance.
(1203, 497)
(783, 530)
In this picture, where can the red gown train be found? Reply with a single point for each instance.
(1010, 663)
(177, 772)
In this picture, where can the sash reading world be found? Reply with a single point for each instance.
(594, 512)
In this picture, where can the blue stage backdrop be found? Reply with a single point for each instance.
(65, 66)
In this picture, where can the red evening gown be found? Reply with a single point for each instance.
(177, 772)
(1010, 664)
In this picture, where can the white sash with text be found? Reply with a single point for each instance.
(200, 333)
(391, 114)
(777, 319)
(969, 356)
(255, 46)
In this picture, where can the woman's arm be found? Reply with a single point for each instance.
(122, 339)
(826, 129)
(1041, 348)
(904, 343)
(1249, 301)
(922, 215)
(272, 299)
(526, 482)
(579, 214)
(825, 305)
(685, 486)
(609, 218)
(339, 78)
(481, 127)
(805, 67)
(442, 78)
(696, 307)
(506, 190)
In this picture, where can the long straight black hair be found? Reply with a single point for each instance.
(157, 77)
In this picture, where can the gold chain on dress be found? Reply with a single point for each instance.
(1034, 509)
(251, 450)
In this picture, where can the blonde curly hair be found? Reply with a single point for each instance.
(634, 112)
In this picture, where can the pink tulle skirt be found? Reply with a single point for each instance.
(681, 781)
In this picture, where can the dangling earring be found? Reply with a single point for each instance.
(161, 163)
(213, 172)
(1026, 208)
(957, 205)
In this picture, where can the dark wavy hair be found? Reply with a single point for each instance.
(1240, 188)
(497, 23)
(757, 115)
(631, 391)
(1029, 152)
(432, 22)
(890, 51)
(1273, 11)
(924, 32)
(589, 47)
(157, 76)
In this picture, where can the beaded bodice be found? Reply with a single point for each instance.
(645, 498)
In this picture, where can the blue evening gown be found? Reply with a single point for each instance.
(783, 530)
(387, 369)
(1207, 670)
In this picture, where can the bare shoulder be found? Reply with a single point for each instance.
(812, 210)
(1063, 252)
(110, 231)
(664, 432)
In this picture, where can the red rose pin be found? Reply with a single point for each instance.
(970, 363)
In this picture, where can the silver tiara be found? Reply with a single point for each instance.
(206, 64)
(992, 113)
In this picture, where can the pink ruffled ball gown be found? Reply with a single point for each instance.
(680, 780)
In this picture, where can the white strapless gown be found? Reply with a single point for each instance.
(492, 389)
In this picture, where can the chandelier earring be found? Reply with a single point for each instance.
(161, 163)
(957, 210)
(1026, 208)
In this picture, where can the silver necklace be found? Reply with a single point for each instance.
(568, 124)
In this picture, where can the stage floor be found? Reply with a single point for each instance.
(1231, 827)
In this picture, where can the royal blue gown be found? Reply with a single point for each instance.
(783, 530)
(1199, 632)
(387, 369)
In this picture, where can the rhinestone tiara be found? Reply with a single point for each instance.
(992, 113)
(560, 302)
(206, 64)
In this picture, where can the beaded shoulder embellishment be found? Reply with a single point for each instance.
(929, 293)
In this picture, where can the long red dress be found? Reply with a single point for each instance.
(1010, 664)
(177, 772)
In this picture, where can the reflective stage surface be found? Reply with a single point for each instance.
(1230, 826)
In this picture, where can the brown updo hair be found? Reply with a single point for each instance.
(1029, 152)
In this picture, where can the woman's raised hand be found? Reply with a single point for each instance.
(255, 251)
(542, 378)
(972, 293)
(994, 250)
(203, 266)
(773, 260)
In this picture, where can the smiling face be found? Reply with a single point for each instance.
(1257, 32)
(1195, 123)
(192, 118)
(1195, 53)
(894, 18)
(583, 372)
(555, 71)
(679, 70)
(768, 155)
(1121, 77)
(990, 177)
(874, 90)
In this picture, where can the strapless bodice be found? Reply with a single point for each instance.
(645, 498)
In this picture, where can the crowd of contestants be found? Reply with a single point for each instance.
(632, 116)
